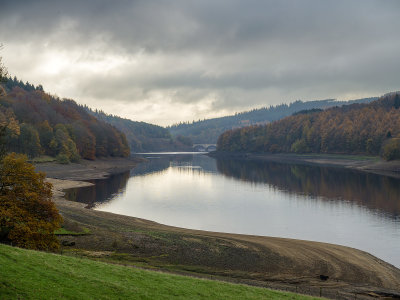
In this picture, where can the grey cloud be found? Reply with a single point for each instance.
(249, 53)
(177, 25)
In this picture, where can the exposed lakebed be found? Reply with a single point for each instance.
(324, 204)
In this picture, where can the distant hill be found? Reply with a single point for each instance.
(36, 123)
(208, 131)
(361, 128)
(144, 137)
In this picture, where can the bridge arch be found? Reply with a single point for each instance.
(204, 147)
(211, 148)
(199, 148)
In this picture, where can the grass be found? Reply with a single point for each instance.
(42, 159)
(63, 231)
(27, 274)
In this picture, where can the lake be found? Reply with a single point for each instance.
(325, 204)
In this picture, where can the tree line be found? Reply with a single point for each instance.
(38, 123)
(145, 137)
(371, 128)
(207, 131)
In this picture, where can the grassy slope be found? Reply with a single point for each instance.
(37, 275)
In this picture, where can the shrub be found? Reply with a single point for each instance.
(28, 217)
(62, 159)
(391, 149)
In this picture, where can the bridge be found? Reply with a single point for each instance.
(204, 147)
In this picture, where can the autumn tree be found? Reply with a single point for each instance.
(46, 135)
(391, 149)
(28, 217)
(3, 74)
(64, 145)
(371, 128)
(29, 142)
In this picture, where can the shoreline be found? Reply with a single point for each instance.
(87, 169)
(369, 164)
(278, 263)
(273, 262)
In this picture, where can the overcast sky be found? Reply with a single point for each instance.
(168, 61)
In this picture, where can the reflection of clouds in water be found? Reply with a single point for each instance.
(377, 193)
(189, 168)
(303, 202)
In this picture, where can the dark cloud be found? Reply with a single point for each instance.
(226, 55)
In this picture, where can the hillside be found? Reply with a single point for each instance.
(39, 275)
(369, 128)
(38, 123)
(208, 131)
(144, 137)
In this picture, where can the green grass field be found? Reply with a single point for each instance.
(63, 231)
(26, 274)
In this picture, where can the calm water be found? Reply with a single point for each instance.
(304, 202)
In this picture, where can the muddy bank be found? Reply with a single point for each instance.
(361, 163)
(87, 169)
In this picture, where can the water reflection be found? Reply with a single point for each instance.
(190, 161)
(105, 190)
(262, 198)
(102, 191)
(375, 192)
(153, 165)
(369, 190)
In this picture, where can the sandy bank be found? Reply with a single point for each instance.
(87, 169)
(59, 185)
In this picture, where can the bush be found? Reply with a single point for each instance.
(391, 149)
(28, 217)
(62, 159)
(299, 146)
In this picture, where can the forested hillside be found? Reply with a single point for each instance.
(37, 123)
(208, 131)
(143, 137)
(372, 128)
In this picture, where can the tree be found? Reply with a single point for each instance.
(3, 74)
(28, 217)
(391, 149)
(396, 101)
(66, 147)
(46, 135)
(29, 141)
(300, 146)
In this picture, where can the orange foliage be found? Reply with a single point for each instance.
(28, 217)
(351, 129)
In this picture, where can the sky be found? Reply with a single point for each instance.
(165, 62)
